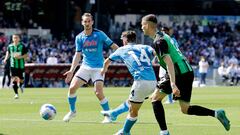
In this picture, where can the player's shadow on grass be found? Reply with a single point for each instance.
(2, 134)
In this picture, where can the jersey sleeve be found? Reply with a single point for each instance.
(150, 51)
(116, 55)
(78, 44)
(161, 47)
(106, 40)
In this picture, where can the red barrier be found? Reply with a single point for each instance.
(40, 71)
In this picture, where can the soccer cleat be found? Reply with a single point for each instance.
(164, 133)
(69, 116)
(109, 114)
(223, 119)
(161, 133)
(106, 120)
(120, 132)
(16, 96)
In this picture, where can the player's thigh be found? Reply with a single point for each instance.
(140, 90)
(76, 83)
(157, 95)
(83, 74)
(184, 84)
(96, 76)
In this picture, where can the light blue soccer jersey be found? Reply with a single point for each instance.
(91, 47)
(137, 59)
(175, 42)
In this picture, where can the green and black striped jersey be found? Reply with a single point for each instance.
(17, 49)
(164, 45)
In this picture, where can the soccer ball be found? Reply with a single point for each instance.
(48, 111)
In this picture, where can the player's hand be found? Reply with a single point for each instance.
(103, 71)
(17, 56)
(69, 75)
(175, 90)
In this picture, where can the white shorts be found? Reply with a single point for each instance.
(86, 74)
(141, 89)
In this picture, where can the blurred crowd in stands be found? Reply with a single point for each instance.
(217, 42)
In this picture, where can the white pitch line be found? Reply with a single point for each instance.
(98, 122)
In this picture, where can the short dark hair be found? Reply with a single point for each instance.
(130, 35)
(151, 18)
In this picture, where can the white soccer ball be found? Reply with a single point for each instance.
(48, 111)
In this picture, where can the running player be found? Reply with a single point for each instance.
(138, 61)
(180, 78)
(17, 53)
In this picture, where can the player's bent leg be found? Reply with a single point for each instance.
(103, 101)
(202, 111)
(158, 110)
(72, 97)
(99, 90)
(113, 114)
(132, 117)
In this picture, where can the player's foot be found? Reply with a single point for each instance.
(106, 120)
(109, 114)
(223, 119)
(120, 132)
(69, 116)
(16, 96)
(164, 133)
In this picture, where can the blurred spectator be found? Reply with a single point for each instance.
(203, 69)
(222, 71)
(52, 59)
(232, 72)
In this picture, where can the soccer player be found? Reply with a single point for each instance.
(89, 43)
(180, 77)
(17, 53)
(138, 61)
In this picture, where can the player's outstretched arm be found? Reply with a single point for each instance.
(75, 62)
(107, 62)
(114, 46)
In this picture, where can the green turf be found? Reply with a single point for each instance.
(21, 117)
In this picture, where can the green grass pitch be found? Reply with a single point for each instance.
(21, 116)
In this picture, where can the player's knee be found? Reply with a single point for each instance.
(72, 90)
(133, 113)
(184, 110)
(99, 94)
(15, 86)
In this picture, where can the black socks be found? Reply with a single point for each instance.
(200, 111)
(15, 87)
(159, 114)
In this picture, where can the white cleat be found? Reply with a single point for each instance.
(69, 116)
(16, 96)
(106, 120)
